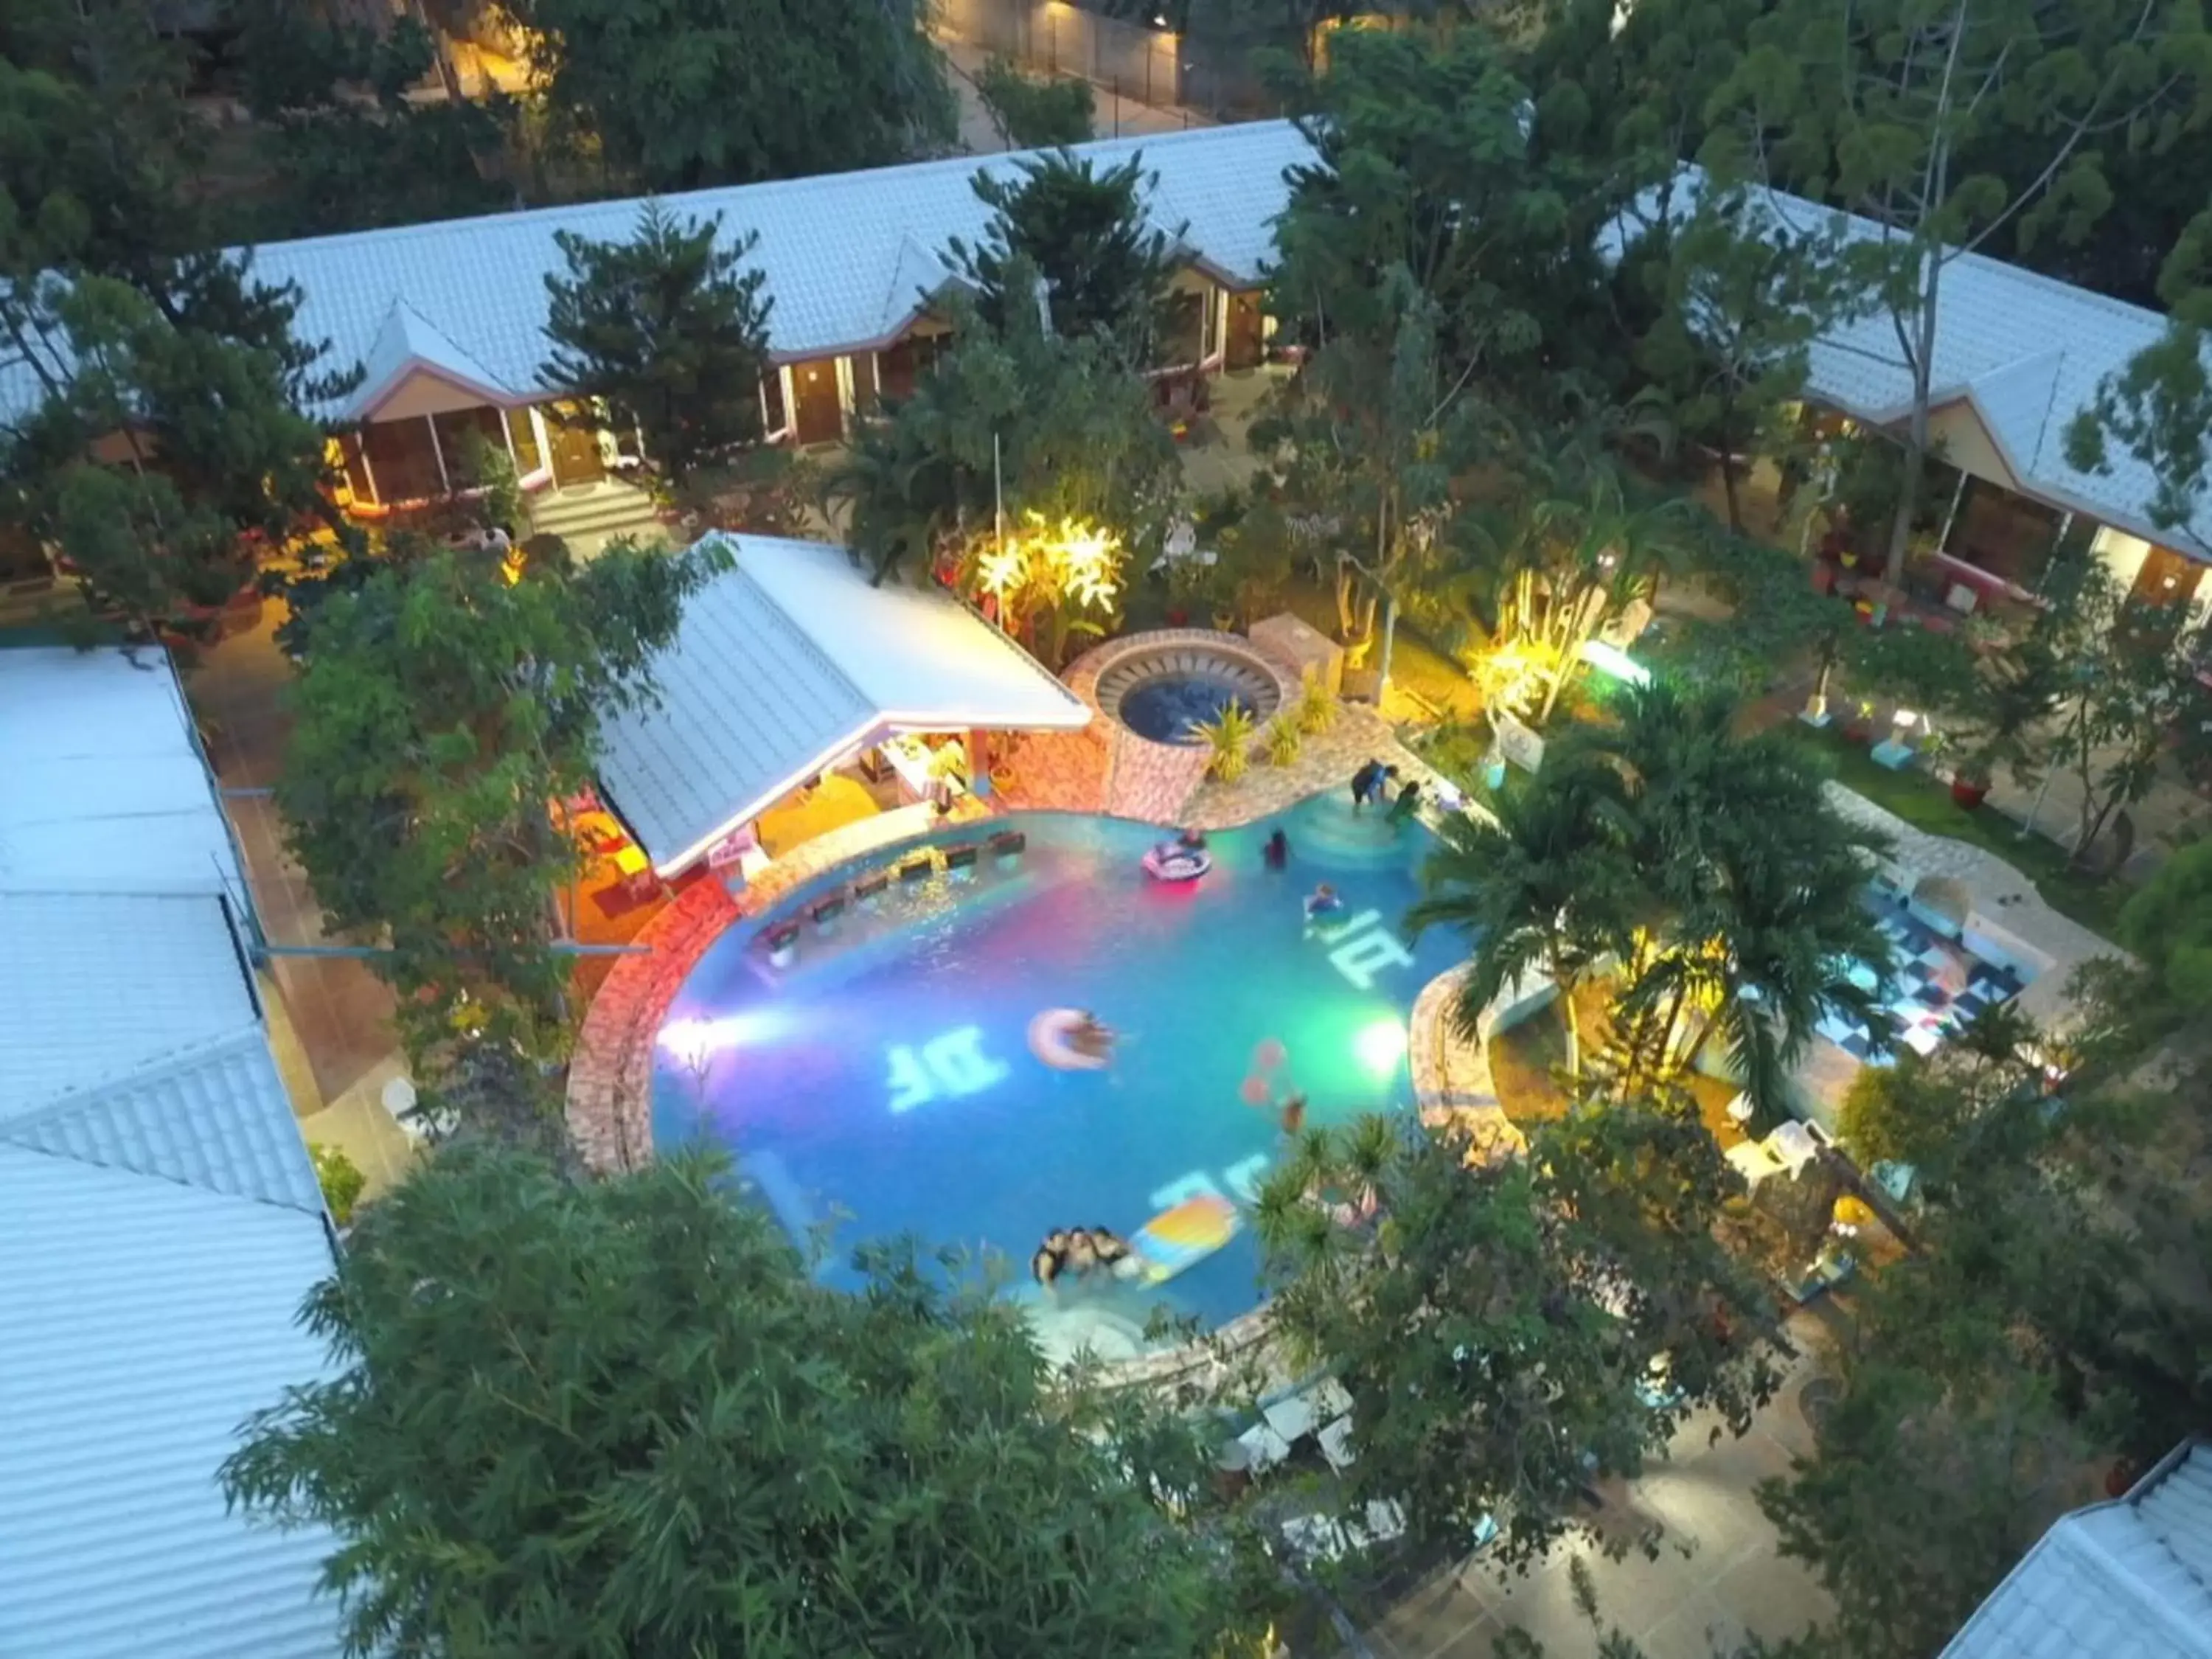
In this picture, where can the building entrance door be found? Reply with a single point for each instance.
(1247, 343)
(818, 416)
(576, 458)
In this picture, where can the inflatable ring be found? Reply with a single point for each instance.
(1052, 1035)
(1178, 863)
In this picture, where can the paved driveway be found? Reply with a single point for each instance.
(1717, 1575)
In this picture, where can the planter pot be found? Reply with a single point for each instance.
(1857, 733)
(1970, 793)
(1178, 616)
(1224, 622)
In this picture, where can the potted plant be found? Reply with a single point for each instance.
(1969, 780)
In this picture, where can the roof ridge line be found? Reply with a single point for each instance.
(69, 1101)
(131, 1172)
(693, 201)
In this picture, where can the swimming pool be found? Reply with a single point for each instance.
(885, 1073)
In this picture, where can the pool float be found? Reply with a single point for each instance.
(1183, 1237)
(1052, 1040)
(1173, 862)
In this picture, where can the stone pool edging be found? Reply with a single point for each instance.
(1145, 779)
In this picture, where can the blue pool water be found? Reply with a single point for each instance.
(1165, 708)
(885, 1076)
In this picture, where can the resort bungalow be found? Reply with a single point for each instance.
(2017, 356)
(447, 320)
(797, 699)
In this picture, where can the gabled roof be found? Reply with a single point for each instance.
(785, 662)
(2026, 351)
(845, 256)
(407, 342)
(2128, 1580)
(141, 1320)
(104, 783)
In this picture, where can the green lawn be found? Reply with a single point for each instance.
(1926, 804)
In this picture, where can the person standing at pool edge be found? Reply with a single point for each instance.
(1364, 781)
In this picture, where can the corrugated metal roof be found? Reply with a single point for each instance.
(2128, 1580)
(104, 784)
(96, 987)
(847, 256)
(2026, 351)
(786, 661)
(141, 1321)
(216, 1117)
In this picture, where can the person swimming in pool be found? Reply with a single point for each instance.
(1408, 804)
(1276, 855)
(1051, 1260)
(1091, 1037)
(1322, 902)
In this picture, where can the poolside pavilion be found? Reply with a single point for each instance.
(798, 698)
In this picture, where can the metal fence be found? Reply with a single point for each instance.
(1200, 79)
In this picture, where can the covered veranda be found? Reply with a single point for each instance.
(798, 702)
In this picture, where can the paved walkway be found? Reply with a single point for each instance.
(332, 1019)
(1717, 1578)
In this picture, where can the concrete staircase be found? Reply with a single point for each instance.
(589, 516)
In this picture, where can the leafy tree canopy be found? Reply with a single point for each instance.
(1082, 234)
(1425, 163)
(160, 450)
(441, 711)
(1046, 423)
(1031, 113)
(1509, 1328)
(670, 329)
(678, 94)
(343, 161)
(622, 1417)
(2168, 923)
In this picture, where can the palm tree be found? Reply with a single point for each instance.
(1792, 942)
(1760, 881)
(1546, 884)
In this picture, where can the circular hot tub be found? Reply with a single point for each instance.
(1164, 692)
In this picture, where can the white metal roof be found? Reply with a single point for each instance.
(848, 257)
(160, 1220)
(788, 662)
(95, 987)
(140, 1321)
(2025, 351)
(104, 786)
(2128, 1580)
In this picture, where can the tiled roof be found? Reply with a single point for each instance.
(104, 784)
(140, 1321)
(848, 257)
(2130, 1580)
(783, 662)
(2026, 351)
